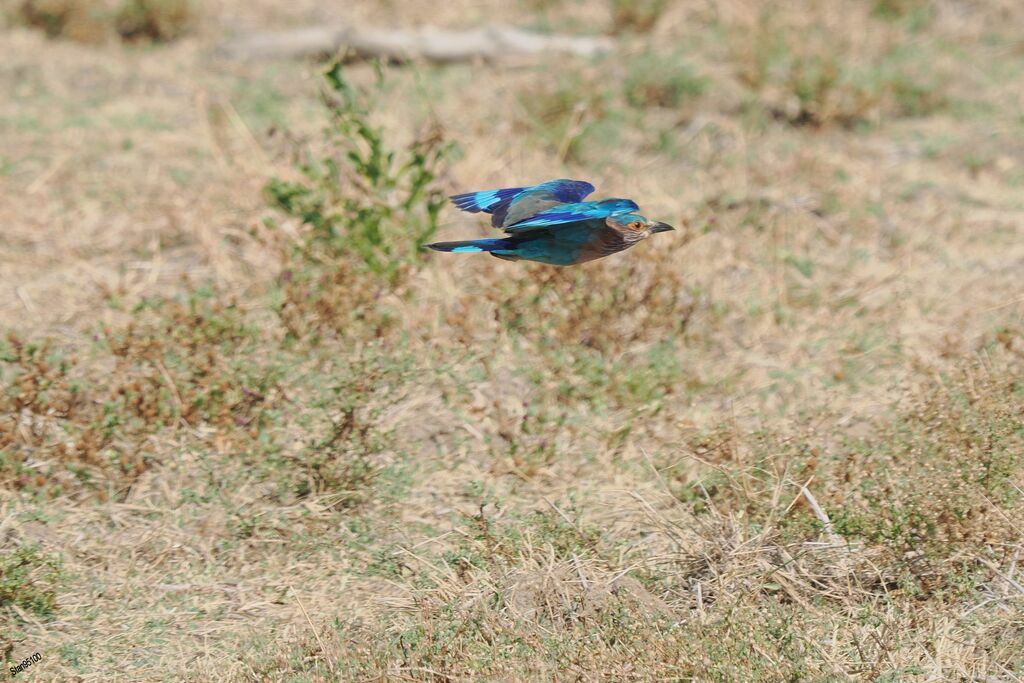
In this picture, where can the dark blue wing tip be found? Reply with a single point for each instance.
(466, 202)
(569, 191)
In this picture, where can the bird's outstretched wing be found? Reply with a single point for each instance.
(512, 204)
(572, 213)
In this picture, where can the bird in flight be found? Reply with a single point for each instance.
(551, 223)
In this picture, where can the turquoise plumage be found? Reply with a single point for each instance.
(550, 223)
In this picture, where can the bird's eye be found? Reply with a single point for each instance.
(636, 225)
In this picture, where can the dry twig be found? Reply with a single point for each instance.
(429, 43)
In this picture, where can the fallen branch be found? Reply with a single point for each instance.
(433, 44)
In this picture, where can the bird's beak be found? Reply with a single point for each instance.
(661, 227)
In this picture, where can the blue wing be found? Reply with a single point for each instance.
(570, 213)
(486, 200)
(512, 204)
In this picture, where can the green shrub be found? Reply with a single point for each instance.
(363, 199)
(369, 208)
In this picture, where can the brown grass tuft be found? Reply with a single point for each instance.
(99, 21)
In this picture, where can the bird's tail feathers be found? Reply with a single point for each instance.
(471, 246)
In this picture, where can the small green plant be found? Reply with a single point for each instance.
(660, 80)
(636, 15)
(157, 20)
(29, 581)
(363, 200)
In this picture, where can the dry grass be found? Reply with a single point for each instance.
(100, 21)
(782, 443)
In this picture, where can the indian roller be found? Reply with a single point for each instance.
(551, 223)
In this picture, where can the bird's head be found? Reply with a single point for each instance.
(638, 226)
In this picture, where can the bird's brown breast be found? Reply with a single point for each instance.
(605, 243)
